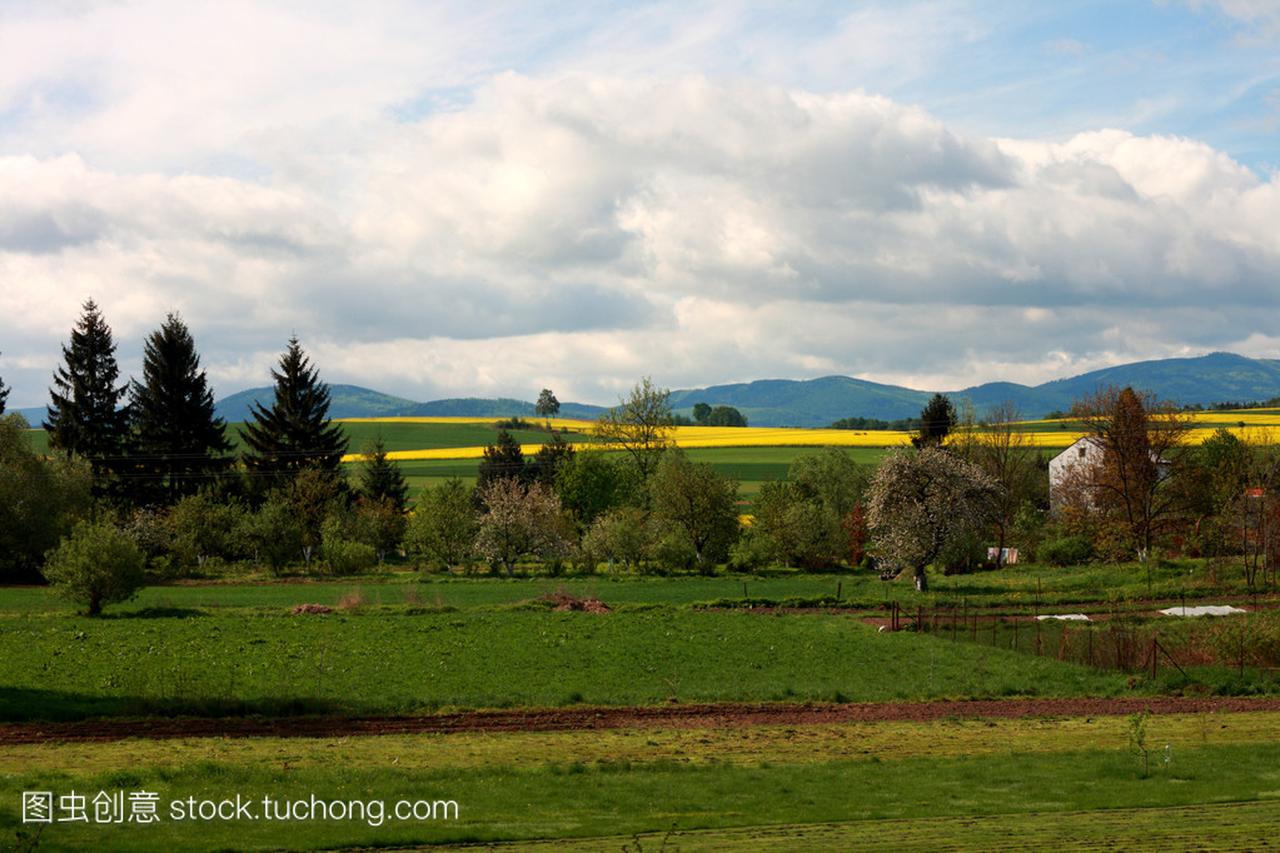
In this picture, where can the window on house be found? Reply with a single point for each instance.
(1080, 451)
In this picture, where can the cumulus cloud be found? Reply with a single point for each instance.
(580, 228)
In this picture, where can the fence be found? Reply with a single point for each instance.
(1114, 643)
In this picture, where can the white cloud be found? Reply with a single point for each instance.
(581, 228)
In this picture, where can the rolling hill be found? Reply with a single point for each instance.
(345, 401)
(1214, 378)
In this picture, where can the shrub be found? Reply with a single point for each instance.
(443, 526)
(347, 557)
(672, 550)
(96, 565)
(272, 534)
(619, 536)
(1065, 551)
(752, 551)
(40, 500)
(201, 527)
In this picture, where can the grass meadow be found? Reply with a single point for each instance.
(1212, 787)
(61, 667)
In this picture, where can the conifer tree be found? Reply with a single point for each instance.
(502, 460)
(177, 440)
(4, 395)
(295, 432)
(85, 415)
(381, 477)
(937, 419)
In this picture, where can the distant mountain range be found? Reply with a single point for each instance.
(352, 401)
(1214, 378)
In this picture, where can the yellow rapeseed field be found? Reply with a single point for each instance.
(1256, 427)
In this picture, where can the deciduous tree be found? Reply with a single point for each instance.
(640, 425)
(1141, 442)
(443, 525)
(40, 500)
(698, 502)
(922, 502)
(725, 416)
(590, 483)
(1004, 451)
(95, 566)
(547, 406)
(519, 519)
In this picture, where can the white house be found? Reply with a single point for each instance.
(1088, 452)
(1085, 451)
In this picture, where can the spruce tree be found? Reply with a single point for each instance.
(295, 432)
(937, 419)
(4, 395)
(381, 477)
(502, 459)
(85, 415)
(177, 440)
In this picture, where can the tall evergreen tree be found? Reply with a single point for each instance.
(381, 477)
(503, 459)
(937, 419)
(295, 433)
(4, 395)
(85, 415)
(177, 440)
(550, 458)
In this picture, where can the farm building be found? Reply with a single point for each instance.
(1087, 452)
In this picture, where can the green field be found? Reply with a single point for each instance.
(970, 792)
(1014, 589)
(750, 466)
(60, 666)
(1020, 589)
(397, 436)
(401, 643)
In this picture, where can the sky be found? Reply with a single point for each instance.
(485, 199)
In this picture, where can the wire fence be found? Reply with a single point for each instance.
(1118, 643)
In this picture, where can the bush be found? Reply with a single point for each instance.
(443, 526)
(96, 565)
(40, 500)
(1065, 551)
(673, 552)
(619, 536)
(346, 557)
(272, 534)
(752, 551)
(202, 527)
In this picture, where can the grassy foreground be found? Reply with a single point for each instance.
(71, 667)
(977, 780)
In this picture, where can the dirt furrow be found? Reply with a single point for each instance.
(587, 718)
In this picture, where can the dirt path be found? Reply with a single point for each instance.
(570, 719)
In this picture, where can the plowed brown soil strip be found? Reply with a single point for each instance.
(570, 719)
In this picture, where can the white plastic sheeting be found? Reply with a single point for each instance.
(1203, 610)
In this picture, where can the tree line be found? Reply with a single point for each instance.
(143, 474)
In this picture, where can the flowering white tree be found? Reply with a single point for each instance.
(922, 502)
(519, 520)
